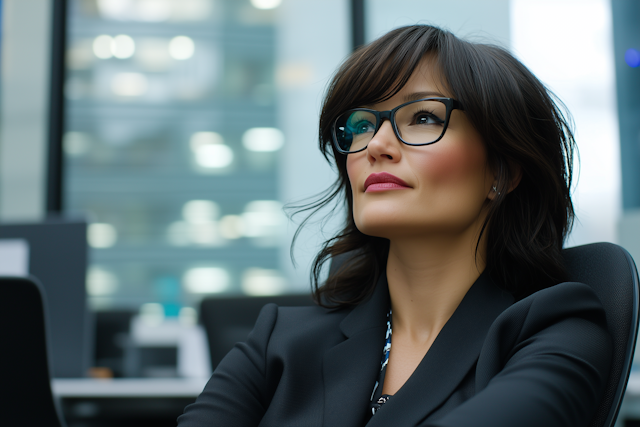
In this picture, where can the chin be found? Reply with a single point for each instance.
(379, 226)
(382, 219)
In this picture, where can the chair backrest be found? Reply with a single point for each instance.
(611, 272)
(229, 320)
(25, 396)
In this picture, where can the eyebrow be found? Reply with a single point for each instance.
(419, 95)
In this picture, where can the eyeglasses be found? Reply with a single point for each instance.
(420, 122)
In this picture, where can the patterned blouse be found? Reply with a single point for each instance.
(377, 398)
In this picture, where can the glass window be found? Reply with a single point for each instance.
(186, 121)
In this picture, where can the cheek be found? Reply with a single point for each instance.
(454, 163)
(354, 167)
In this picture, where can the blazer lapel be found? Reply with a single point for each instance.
(452, 355)
(350, 368)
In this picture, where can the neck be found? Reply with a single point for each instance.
(428, 278)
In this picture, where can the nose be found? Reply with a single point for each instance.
(384, 146)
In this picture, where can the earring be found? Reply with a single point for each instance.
(495, 190)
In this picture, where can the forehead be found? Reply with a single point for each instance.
(426, 78)
(425, 82)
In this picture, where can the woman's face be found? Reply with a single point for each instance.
(448, 183)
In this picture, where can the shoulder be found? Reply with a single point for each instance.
(567, 300)
(566, 319)
(288, 327)
(303, 316)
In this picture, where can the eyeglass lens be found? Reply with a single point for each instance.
(417, 123)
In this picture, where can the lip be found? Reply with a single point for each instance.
(383, 181)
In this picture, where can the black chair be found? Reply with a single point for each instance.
(229, 320)
(25, 396)
(611, 272)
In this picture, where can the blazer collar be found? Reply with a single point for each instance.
(350, 369)
(451, 356)
(370, 314)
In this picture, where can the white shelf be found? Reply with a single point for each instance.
(127, 387)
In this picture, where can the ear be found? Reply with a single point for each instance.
(516, 172)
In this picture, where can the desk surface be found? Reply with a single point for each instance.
(191, 388)
(127, 387)
(178, 387)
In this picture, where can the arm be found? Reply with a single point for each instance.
(555, 354)
(236, 392)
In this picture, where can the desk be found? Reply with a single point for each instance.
(91, 402)
(125, 402)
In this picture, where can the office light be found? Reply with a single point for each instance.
(129, 84)
(266, 4)
(102, 46)
(123, 46)
(263, 139)
(231, 227)
(114, 9)
(101, 235)
(210, 151)
(154, 10)
(200, 211)
(206, 280)
(76, 143)
(264, 222)
(101, 282)
(262, 282)
(181, 48)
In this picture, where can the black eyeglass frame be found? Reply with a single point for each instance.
(450, 103)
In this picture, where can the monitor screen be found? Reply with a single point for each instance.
(55, 252)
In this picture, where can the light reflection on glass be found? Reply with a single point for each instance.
(263, 139)
(231, 227)
(206, 280)
(210, 151)
(264, 222)
(266, 4)
(200, 211)
(181, 48)
(101, 235)
(101, 282)
(129, 84)
(76, 143)
(155, 10)
(102, 46)
(123, 46)
(262, 282)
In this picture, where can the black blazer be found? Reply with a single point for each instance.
(542, 361)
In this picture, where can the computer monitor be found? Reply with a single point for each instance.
(55, 252)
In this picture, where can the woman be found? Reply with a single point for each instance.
(455, 165)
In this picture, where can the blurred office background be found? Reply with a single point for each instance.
(184, 127)
(189, 124)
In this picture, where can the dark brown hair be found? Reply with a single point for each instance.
(522, 127)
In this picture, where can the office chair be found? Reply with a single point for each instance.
(25, 396)
(229, 320)
(612, 274)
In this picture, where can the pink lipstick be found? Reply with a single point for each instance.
(383, 181)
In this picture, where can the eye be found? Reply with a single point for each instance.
(426, 118)
(362, 126)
